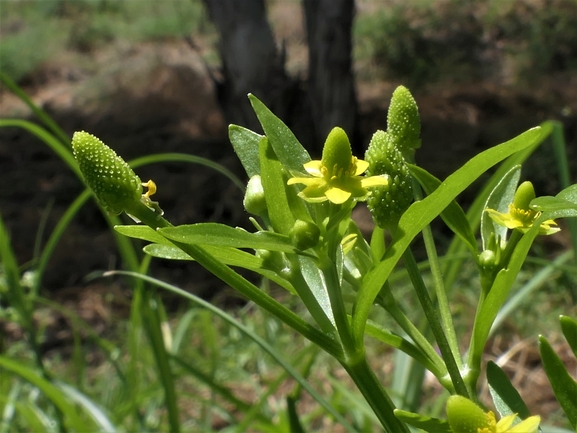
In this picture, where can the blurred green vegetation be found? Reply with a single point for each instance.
(35, 31)
(462, 40)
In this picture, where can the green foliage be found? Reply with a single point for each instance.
(408, 40)
(336, 285)
(34, 32)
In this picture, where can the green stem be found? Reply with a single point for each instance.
(441, 293)
(434, 323)
(376, 395)
(388, 302)
(328, 269)
(440, 290)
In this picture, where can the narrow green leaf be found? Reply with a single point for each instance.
(569, 328)
(453, 215)
(228, 255)
(142, 232)
(421, 213)
(39, 112)
(245, 144)
(286, 146)
(151, 309)
(564, 386)
(97, 414)
(554, 204)
(569, 194)
(505, 397)
(318, 287)
(431, 425)
(293, 416)
(51, 392)
(252, 335)
(499, 199)
(217, 388)
(61, 149)
(225, 236)
(157, 158)
(385, 336)
(274, 185)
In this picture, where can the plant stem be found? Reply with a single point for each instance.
(434, 323)
(388, 302)
(440, 290)
(376, 395)
(441, 293)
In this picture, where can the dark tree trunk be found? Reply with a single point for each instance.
(250, 61)
(331, 85)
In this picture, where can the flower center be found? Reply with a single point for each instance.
(525, 216)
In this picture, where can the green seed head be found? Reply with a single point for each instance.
(524, 195)
(113, 182)
(388, 203)
(403, 120)
(465, 416)
(337, 153)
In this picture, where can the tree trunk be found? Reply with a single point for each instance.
(250, 61)
(330, 83)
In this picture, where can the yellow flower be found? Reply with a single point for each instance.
(520, 215)
(337, 176)
(529, 425)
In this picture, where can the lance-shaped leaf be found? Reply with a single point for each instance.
(225, 236)
(564, 386)
(505, 397)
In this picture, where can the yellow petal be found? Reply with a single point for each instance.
(504, 219)
(308, 181)
(530, 425)
(368, 182)
(314, 168)
(337, 195)
(505, 422)
(361, 167)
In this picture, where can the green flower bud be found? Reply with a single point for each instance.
(387, 203)
(254, 199)
(403, 120)
(304, 234)
(113, 182)
(465, 416)
(487, 259)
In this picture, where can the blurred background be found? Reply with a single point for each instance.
(151, 76)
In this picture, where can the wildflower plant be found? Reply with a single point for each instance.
(305, 241)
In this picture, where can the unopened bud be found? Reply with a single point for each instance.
(304, 234)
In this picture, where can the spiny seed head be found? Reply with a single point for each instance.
(403, 120)
(524, 195)
(388, 203)
(337, 151)
(113, 182)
